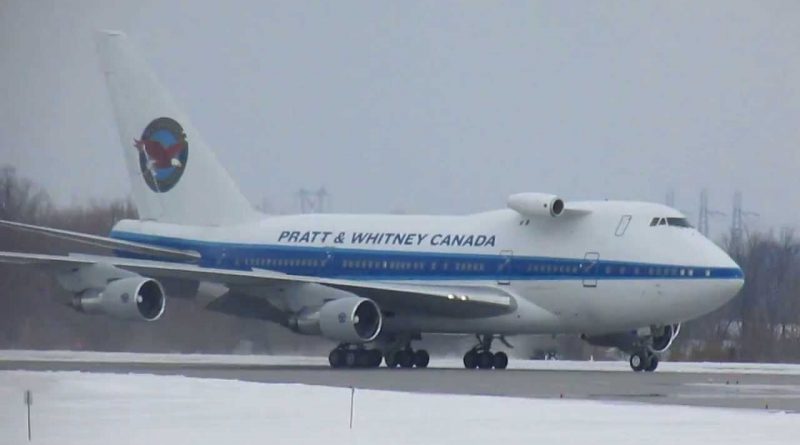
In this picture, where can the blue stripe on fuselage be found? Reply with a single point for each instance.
(364, 264)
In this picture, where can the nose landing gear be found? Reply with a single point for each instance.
(643, 360)
(481, 356)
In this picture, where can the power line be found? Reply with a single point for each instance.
(705, 213)
(738, 226)
(669, 199)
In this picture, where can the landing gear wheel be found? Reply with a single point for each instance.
(405, 359)
(638, 361)
(364, 358)
(471, 360)
(421, 358)
(500, 360)
(336, 358)
(375, 356)
(653, 364)
(485, 360)
(391, 359)
(351, 358)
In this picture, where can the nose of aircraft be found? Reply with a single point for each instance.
(729, 276)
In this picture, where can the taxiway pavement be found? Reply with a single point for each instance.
(752, 386)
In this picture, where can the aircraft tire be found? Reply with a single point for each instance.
(471, 360)
(375, 357)
(405, 359)
(390, 358)
(352, 358)
(485, 360)
(652, 363)
(421, 358)
(638, 361)
(364, 358)
(500, 360)
(336, 358)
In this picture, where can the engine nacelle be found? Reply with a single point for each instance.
(348, 320)
(536, 204)
(664, 336)
(133, 298)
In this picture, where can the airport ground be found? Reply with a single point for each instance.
(754, 386)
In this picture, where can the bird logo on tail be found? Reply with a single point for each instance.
(163, 153)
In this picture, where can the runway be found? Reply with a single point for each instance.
(755, 386)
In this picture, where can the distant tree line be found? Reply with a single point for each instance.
(761, 324)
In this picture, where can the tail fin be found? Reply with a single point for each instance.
(175, 176)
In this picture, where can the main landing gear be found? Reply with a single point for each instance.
(398, 352)
(408, 358)
(481, 356)
(644, 360)
(354, 356)
(357, 356)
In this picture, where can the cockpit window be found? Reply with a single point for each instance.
(678, 222)
(670, 221)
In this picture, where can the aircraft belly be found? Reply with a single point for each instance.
(527, 318)
(628, 304)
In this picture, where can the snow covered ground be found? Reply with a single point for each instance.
(87, 409)
(453, 362)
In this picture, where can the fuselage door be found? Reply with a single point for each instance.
(217, 257)
(589, 269)
(327, 264)
(504, 268)
(623, 225)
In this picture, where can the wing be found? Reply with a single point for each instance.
(109, 243)
(469, 301)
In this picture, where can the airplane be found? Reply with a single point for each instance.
(618, 273)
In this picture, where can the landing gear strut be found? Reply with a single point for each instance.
(643, 360)
(354, 356)
(481, 356)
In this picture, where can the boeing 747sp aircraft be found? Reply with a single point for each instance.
(622, 274)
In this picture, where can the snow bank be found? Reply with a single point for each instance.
(87, 409)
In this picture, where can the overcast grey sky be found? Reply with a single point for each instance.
(431, 107)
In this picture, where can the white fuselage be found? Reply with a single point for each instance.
(603, 271)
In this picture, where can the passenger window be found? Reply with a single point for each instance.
(623, 225)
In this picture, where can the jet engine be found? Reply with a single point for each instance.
(133, 298)
(348, 320)
(536, 204)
